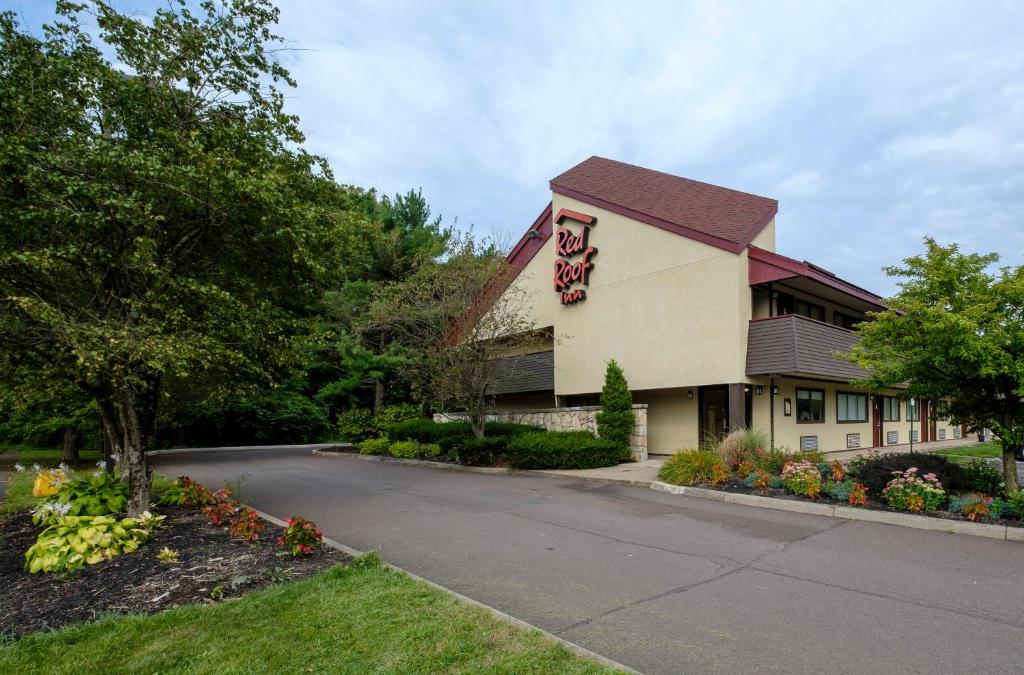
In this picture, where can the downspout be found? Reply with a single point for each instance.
(771, 410)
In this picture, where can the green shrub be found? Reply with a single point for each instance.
(74, 541)
(485, 451)
(405, 449)
(616, 419)
(563, 450)
(97, 495)
(910, 491)
(983, 477)
(391, 415)
(444, 434)
(802, 478)
(812, 456)
(509, 429)
(1016, 504)
(374, 446)
(688, 467)
(356, 425)
(979, 506)
(776, 482)
(430, 450)
(877, 471)
(838, 489)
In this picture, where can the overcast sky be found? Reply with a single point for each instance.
(873, 124)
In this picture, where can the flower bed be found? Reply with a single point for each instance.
(210, 565)
(972, 492)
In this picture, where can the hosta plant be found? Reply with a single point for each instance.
(300, 536)
(246, 525)
(908, 491)
(97, 495)
(74, 541)
(168, 555)
(802, 478)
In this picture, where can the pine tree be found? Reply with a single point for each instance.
(616, 419)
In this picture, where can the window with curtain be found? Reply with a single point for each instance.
(851, 407)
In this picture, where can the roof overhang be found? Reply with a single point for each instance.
(765, 267)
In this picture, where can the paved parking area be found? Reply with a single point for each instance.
(662, 583)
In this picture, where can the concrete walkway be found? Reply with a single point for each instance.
(662, 583)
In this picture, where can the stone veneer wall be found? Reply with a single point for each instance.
(567, 419)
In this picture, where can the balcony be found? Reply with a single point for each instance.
(800, 347)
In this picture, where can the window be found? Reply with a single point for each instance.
(890, 409)
(810, 310)
(913, 414)
(851, 407)
(844, 320)
(787, 304)
(810, 405)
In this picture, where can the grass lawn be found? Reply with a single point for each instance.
(360, 618)
(28, 454)
(19, 493)
(969, 452)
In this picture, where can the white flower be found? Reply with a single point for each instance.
(36, 467)
(102, 464)
(64, 467)
(19, 468)
(114, 456)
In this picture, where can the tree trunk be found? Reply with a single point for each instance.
(1010, 468)
(111, 435)
(378, 395)
(72, 444)
(134, 456)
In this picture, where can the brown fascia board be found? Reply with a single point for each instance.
(703, 237)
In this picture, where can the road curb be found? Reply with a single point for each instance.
(421, 463)
(494, 611)
(917, 522)
(445, 466)
(240, 448)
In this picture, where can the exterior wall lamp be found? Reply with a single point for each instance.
(758, 390)
(775, 390)
(689, 394)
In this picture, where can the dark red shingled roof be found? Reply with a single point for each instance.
(715, 215)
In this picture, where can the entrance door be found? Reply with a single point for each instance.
(877, 435)
(923, 419)
(714, 413)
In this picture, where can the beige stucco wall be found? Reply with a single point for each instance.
(669, 309)
(535, 284)
(672, 419)
(766, 237)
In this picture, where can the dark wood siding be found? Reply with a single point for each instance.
(796, 345)
(530, 372)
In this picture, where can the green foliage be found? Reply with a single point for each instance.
(374, 446)
(878, 470)
(839, 489)
(301, 536)
(97, 495)
(955, 329)
(486, 451)
(271, 417)
(776, 482)
(562, 450)
(689, 467)
(616, 419)
(983, 477)
(914, 491)
(430, 450)
(428, 431)
(405, 449)
(355, 425)
(812, 456)
(74, 541)
(802, 478)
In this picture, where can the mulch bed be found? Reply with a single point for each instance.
(210, 563)
(737, 485)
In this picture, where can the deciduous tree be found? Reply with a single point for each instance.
(955, 329)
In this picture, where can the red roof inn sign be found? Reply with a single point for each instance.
(576, 261)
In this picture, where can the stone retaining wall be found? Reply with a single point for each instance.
(566, 419)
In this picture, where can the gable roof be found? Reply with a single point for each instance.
(724, 218)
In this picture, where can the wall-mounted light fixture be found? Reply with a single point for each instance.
(533, 234)
(689, 394)
(758, 390)
(775, 390)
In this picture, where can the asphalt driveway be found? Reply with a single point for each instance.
(662, 583)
